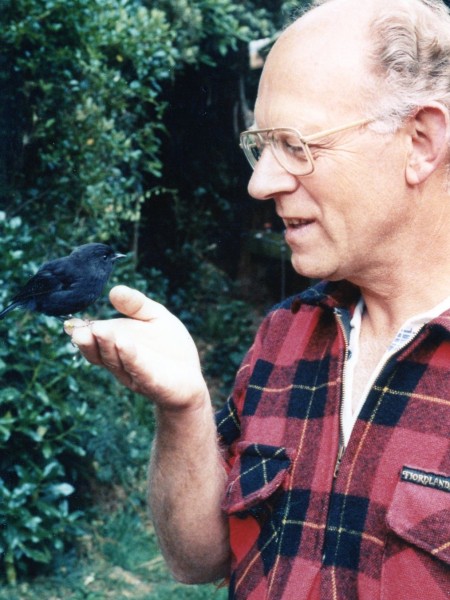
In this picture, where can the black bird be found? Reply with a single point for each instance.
(67, 285)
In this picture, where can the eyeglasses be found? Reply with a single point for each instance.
(289, 147)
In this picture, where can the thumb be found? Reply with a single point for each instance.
(134, 304)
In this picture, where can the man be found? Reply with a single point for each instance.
(332, 477)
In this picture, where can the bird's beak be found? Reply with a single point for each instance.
(118, 255)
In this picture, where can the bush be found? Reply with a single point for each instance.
(222, 324)
(85, 87)
(51, 426)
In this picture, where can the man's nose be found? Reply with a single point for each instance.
(269, 178)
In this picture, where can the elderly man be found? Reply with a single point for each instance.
(331, 478)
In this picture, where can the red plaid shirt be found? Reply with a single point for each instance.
(380, 528)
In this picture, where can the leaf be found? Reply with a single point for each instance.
(61, 489)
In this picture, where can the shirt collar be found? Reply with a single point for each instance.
(329, 295)
(344, 295)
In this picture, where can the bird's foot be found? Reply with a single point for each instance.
(70, 324)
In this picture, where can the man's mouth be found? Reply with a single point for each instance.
(296, 223)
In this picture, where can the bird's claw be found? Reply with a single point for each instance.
(72, 324)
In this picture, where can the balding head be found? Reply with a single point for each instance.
(403, 46)
(325, 51)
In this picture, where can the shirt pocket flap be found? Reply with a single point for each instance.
(257, 473)
(420, 511)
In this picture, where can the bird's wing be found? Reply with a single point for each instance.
(49, 278)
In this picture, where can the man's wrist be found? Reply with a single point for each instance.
(197, 408)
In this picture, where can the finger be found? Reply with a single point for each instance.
(72, 324)
(135, 304)
(81, 335)
(105, 333)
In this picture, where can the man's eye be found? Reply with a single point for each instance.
(292, 147)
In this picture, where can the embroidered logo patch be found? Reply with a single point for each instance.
(431, 480)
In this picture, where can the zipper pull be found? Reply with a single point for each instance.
(339, 460)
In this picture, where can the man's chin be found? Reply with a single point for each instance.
(314, 272)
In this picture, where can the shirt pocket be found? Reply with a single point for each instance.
(417, 555)
(258, 472)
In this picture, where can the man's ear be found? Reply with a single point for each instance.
(430, 137)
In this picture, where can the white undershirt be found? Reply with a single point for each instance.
(405, 334)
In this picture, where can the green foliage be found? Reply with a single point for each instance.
(208, 29)
(41, 420)
(222, 325)
(50, 426)
(120, 560)
(83, 91)
(88, 78)
(120, 448)
(88, 121)
(229, 328)
(40, 425)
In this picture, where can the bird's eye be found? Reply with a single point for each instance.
(105, 257)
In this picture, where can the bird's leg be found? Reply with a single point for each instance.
(63, 318)
(70, 325)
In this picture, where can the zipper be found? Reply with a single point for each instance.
(341, 449)
(339, 459)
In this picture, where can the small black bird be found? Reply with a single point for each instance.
(67, 285)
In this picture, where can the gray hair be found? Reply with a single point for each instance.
(410, 58)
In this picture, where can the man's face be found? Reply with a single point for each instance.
(342, 219)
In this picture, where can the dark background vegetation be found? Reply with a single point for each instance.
(119, 122)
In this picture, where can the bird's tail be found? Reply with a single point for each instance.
(6, 310)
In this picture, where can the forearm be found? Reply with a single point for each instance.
(186, 484)
(152, 353)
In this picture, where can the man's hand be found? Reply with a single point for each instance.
(151, 352)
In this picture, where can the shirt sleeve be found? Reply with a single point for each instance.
(228, 420)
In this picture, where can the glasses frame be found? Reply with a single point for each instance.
(304, 139)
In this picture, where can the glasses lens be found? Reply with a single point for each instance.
(291, 152)
(286, 145)
(253, 146)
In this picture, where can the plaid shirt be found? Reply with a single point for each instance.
(380, 527)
